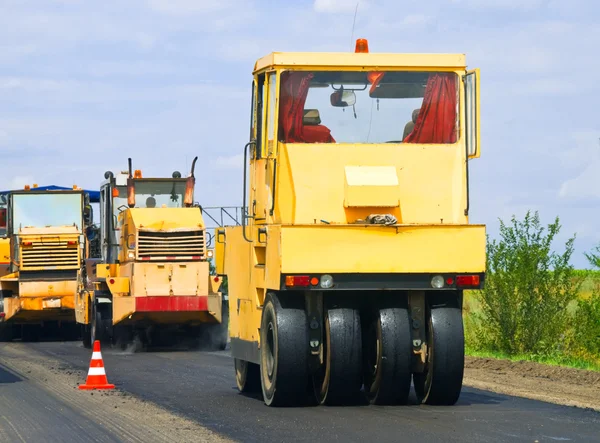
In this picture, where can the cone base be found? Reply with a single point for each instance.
(90, 387)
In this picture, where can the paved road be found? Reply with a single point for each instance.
(30, 414)
(40, 402)
(201, 386)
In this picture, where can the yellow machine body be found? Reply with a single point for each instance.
(45, 261)
(347, 220)
(162, 275)
(154, 272)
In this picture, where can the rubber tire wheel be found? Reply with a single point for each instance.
(97, 329)
(283, 352)
(441, 384)
(30, 333)
(6, 332)
(387, 357)
(247, 376)
(340, 380)
(224, 326)
(86, 334)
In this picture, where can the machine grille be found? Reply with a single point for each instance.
(189, 245)
(49, 255)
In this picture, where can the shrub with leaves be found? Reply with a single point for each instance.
(528, 288)
(587, 317)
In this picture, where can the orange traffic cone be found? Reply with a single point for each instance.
(96, 378)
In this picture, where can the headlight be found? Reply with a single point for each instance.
(209, 253)
(437, 282)
(326, 281)
(131, 255)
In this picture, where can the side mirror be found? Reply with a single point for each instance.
(342, 99)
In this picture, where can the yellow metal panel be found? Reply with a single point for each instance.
(371, 186)
(118, 286)
(366, 61)
(82, 307)
(166, 218)
(123, 307)
(219, 256)
(238, 257)
(57, 288)
(273, 262)
(170, 278)
(378, 249)
(432, 185)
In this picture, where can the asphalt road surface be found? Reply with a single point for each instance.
(201, 386)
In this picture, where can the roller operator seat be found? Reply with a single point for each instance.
(313, 130)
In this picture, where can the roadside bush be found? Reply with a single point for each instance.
(587, 316)
(523, 307)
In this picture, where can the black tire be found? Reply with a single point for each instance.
(339, 381)
(98, 327)
(387, 354)
(6, 332)
(441, 384)
(247, 376)
(224, 327)
(86, 336)
(30, 333)
(283, 352)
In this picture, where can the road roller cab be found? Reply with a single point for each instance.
(350, 263)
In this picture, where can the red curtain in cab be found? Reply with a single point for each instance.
(294, 89)
(437, 119)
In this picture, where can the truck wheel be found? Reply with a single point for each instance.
(340, 378)
(247, 376)
(283, 352)
(387, 357)
(98, 327)
(442, 382)
(30, 333)
(86, 336)
(6, 332)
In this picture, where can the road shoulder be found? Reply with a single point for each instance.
(553, 384)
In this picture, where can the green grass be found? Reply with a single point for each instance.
(552, 361)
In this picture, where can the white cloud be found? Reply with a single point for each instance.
(186, 7)
(339, 6)
(501, 4)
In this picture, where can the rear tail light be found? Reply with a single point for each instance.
(297, 280)
(467, 280)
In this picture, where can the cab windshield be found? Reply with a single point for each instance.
(153, 194)
(368, 107)
(46, 210)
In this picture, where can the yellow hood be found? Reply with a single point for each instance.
(167, 219)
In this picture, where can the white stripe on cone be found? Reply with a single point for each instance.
(96, 356)
(96, 371)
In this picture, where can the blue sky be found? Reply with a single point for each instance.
(84, 85)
